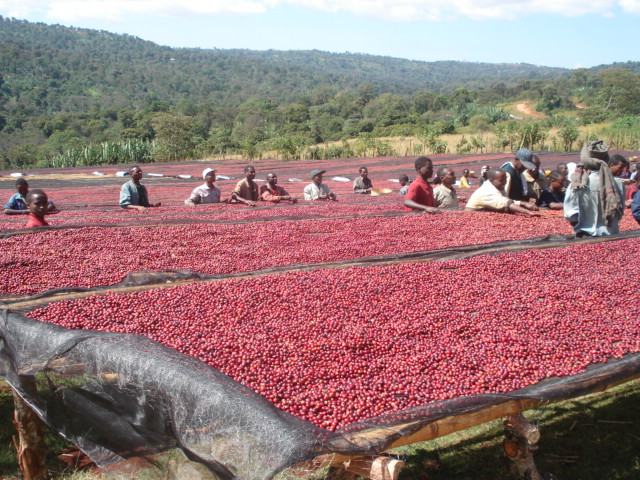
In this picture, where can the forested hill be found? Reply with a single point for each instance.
(76, 96)
(68, 69)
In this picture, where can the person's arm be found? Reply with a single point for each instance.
(555, 206)
(285, 195)
(12, 211)
(327, 194)
(524, 207)
(417, 206)
(237, 198)
(12, 207)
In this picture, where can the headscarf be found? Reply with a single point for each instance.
(594, 156)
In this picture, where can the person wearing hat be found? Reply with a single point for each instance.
(205, 193)
(246, 190)
(594, 202)
(317, 190)
(133, 194)
(272, 192)
(516, 187)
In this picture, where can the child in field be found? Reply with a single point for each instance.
(38, 206)
(17, 204)
(404, 184)
(553, 197)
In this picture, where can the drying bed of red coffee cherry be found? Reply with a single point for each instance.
(99, 256)
(335, 346)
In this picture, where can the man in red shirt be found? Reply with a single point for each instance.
(420, 194)
(272, 192)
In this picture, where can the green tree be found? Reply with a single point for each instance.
(175, 135)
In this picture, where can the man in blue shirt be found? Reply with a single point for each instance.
(17, 204)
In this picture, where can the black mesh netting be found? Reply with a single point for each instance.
(124, 399)
(132, 404)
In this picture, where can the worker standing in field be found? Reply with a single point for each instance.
(272, 192)
(17, 204)
(420, 194)
(516, 185)
(444, 194)
(246, 190)
(133, 194)
(553, 197)
(536, 181)
(464, 180)
(594, 203)
(491, 196)
(403, 180)
(362, 184)
(206, 193)
(317, 190)
(38, 207)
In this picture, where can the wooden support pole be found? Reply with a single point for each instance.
(374, 468)
(30, 444)
(520, 444)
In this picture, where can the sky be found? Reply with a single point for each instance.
(557, 33)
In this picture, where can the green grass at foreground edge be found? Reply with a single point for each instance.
(593, 437)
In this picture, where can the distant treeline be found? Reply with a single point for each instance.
(85, 97)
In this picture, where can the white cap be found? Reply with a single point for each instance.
(206, 171)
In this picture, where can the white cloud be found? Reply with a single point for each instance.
(398, 10)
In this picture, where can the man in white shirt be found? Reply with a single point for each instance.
(491, 196)
(205, 193)
(317, 190)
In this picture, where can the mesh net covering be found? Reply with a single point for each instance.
(130, 402)
(123, 398)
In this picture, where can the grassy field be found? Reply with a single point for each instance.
(594, 437)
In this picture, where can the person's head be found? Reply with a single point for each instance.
(209, 176)
(403, 179)
(447, 176)
(22, 187)
(136, 173)
(562, 167)
(465, 173)
(617, 163)
(364, 172)
(557, 181)
(424, 167)
(272, 179)
(523, 160)
(535, 171)
(483, 171)
(37, 202)
(250, 172)
(497, 177)
(316, 176)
